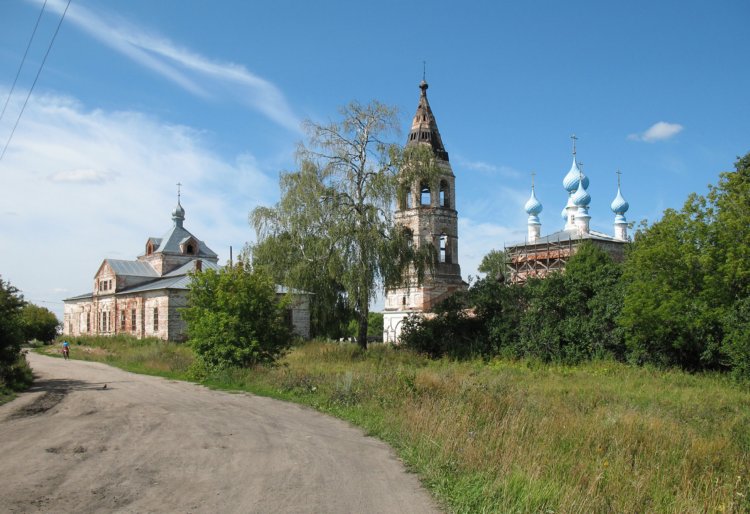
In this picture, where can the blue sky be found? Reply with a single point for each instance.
(137, 96)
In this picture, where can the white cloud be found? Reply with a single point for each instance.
(487, 168)
(191, 71)
(83, 176)
(658, 132)
(83, 185)
(477, 239)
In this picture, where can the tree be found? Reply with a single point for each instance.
(39, 323)
(335, 214)
(571, 316)
(11, 330)
(671, 316)
(493, 264)
(234, 317)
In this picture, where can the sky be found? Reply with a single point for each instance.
(137, 96)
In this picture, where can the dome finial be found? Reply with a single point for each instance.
(574, 138)
(178, 214)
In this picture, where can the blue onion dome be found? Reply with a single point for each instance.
(570, 182)
(533, 206)
(619, 204)
(581, 197)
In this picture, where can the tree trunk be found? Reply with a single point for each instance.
(363, 315)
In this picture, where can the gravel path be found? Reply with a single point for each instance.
(146, 444)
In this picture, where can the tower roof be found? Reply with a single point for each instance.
(424, 128)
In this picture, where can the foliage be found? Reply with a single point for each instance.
(493, 264)
(687, 280)
(333, 230)
(374, 327)
(39, 323)
(234, 317)
(11, 332)
(571, 316)
(566, 317)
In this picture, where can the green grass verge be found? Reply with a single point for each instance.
(511, 436)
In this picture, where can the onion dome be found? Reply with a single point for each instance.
(570, 182)
(619, 204)
(178, 214)
(581, 197)
(533, 206)
(564, 213)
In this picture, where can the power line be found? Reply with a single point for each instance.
(23, 60)
(46, 54)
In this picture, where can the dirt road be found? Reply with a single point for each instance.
(146, 444)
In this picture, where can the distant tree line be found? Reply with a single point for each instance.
(20, 322)
(680, 298)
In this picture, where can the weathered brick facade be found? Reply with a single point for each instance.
(428, 211)
(143, 298)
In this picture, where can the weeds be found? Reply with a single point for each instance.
(518, 436)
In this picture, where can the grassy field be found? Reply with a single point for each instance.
(507, 436)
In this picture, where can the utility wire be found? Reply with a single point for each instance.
(23, 60)
(46, 54)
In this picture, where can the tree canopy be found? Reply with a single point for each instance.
(332, 232)
(39, 323)
(234, 317)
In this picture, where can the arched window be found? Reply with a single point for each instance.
(149, 248)
(443, 248)
(190, 249)
(445, 196)
(425, 195)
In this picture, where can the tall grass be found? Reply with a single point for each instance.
(511, 436)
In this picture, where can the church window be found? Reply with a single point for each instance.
(425, 197)
(149, 248)
(444, 256)
(444, 194)
(403, 301)
(88, 322)
(132, 320)
(122, 321)
(156, 319)
(190, 249)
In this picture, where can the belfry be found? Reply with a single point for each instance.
(427, 210)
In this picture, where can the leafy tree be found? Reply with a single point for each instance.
(39, 323)
(493, 264)
(234, 317)
(334, 220)
(670, 315)
(287, 262)
(11, 331)
(571, 316)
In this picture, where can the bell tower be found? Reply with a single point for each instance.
(428, 212)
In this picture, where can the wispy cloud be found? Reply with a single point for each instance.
(487, 168)
(191, 71)
(78, 183)
(659, 131)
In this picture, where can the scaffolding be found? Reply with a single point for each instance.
(528, 260)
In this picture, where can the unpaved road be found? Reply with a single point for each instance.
(146, 444)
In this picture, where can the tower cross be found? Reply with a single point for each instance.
(533, 174)
(424, 71)
(179, 185)
(574, 138)
(618, 177)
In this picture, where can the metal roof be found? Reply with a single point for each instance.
(131, 268)
(568, 235)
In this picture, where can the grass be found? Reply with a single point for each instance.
(506, 436)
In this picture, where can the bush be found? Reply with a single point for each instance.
(39, 323)
(235, 319)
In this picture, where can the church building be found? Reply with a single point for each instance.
(539, 255)
(428, 212)
(143, 297)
